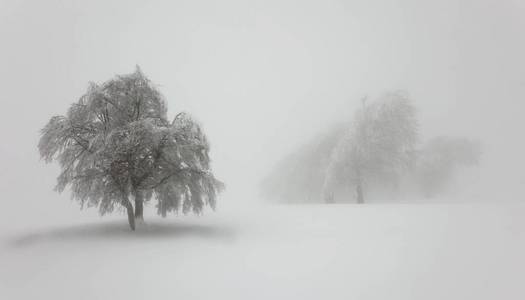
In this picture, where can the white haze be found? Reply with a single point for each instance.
(264, 77)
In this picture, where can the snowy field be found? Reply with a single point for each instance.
(403, 251)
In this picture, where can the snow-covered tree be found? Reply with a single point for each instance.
(379, 145)
(440, 158)
(116, 144)
(299, 176)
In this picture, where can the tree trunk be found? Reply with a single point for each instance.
(329, 198)
(129, 209)
(359, 191)
(139, 205)
(359, 187)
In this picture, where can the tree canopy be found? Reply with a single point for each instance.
(439, 158)
(299, 176)
(377, 151)
(116, 143)
(379, 144)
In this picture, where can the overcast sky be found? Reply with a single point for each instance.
(263, 76)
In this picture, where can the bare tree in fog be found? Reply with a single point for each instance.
(379, 144)
(116, 144)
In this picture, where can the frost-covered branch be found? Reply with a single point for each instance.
(116, 143)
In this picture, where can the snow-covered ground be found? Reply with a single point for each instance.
(403, 251)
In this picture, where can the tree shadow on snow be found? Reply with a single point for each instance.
(120, 231)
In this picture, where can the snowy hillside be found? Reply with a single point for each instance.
(403, 251)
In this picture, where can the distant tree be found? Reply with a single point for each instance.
(300, 175)
(440, 157)
(379, 145)
(116, 144)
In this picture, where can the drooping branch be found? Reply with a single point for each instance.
(116, 141)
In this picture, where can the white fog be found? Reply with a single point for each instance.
(277, 89)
